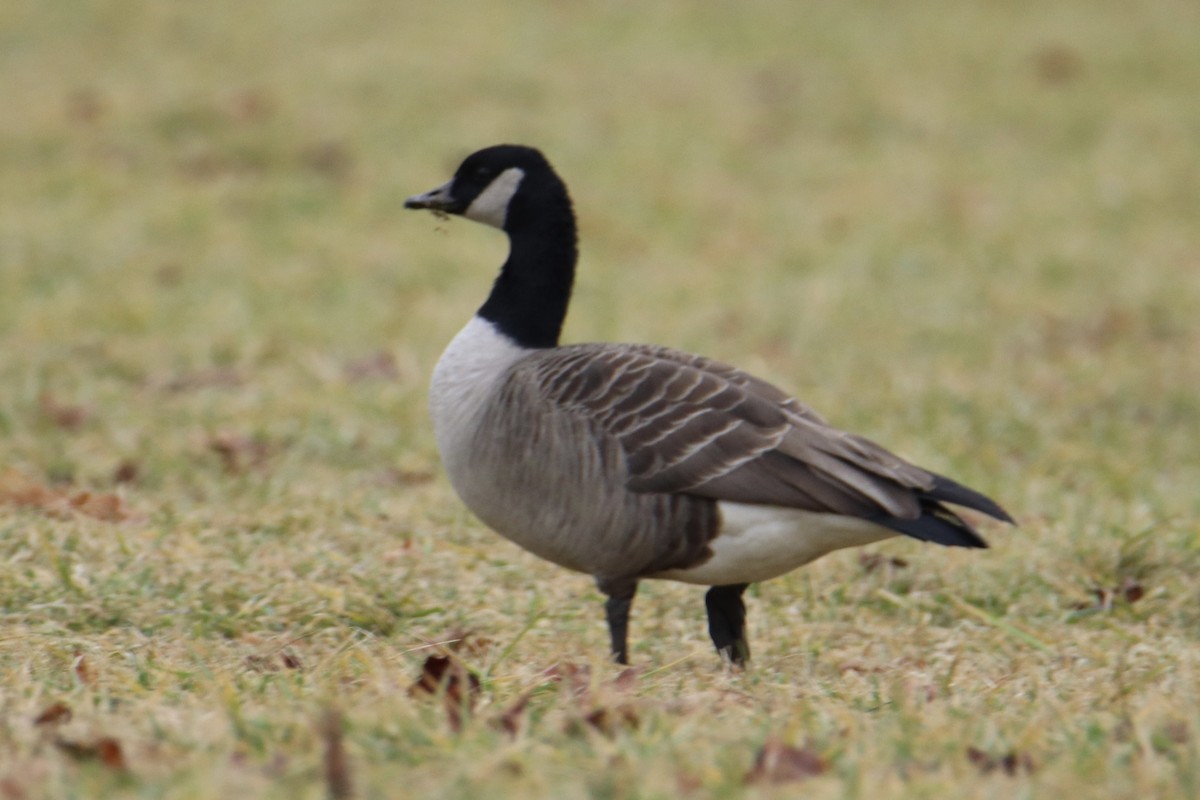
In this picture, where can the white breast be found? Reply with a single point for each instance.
(464, 382)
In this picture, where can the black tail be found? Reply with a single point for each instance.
(949, 491)
(941, 525)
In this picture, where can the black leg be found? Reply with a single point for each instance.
(616, 609)
(727, 622)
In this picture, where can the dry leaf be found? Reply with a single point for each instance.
(126, 472)
(11, 789)
(68, 417)
(1057, 63)
(105, 507)
(687, 785)
(576, 678)
(510, 720)
(211, 378)
(626, 681)
(458, 686)
(110, 753)
(257, 663)
(404, 477)
(337, 764)
(17, 490)
(53, 715)
(609, 719)
(777, 762)
(464, 641)
(381, 365)
(107, 750)
(870, 562)
(1010, 763)
(238, 452)
(601, 715)
(268, 662)
(330, 159)
(85, 105)
(1176, 732)
(82, 671)
(1129, 592)
(250, 105)
(860, 668)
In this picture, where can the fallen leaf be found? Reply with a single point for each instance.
(404, 477)
(464, 641)
(126, 472)
(85, 105)
(53, 715)
(626, 681)
(1128, 592)
(1057, 63)
(1131, 591)
(687, 785)
(1010, 763)
(257, 663)
(107, 750)
(577, 678)
(510, 720)
(66, 416)
(609, 719)
(380, 366)
(1176, 731)
(600, 711)
(250, 105)
(11, 789)
(272, 661)
(210, 378)
(860, 668)
(17, 490)
(105, 507)
(870, 562)
(237, 451)
(330, 159)
(458, 686)
(110, 753)
(777, 762)
(82, 671)
(337, 763)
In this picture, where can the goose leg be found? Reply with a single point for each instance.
(616, 609)
(727, 622)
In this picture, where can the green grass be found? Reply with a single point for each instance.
(966, 230)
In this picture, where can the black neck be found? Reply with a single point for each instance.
(529, 300)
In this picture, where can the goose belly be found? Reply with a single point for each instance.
(757, 543)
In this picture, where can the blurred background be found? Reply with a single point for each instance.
(969, 230)
(992, 204)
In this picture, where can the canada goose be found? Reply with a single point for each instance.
(629, 461)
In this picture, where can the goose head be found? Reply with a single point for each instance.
(504, 186)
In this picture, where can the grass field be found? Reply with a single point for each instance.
(970, 231)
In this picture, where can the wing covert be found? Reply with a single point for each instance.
(687, 424)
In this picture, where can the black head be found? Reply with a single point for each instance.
(497, 186)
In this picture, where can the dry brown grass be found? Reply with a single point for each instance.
(967, 230)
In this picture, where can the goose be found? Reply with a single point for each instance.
(628, 461)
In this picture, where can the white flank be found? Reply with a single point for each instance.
(491, 206)
(757, 543)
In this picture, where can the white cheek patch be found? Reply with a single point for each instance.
(491, 206)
